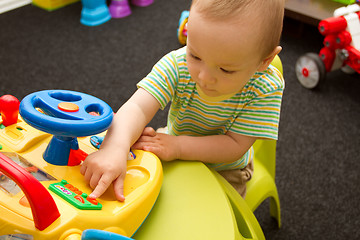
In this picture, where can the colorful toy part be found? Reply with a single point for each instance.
(182, 29)
(341, 48)
(9, 109)
(94, 12)
(65, 114)
(51, 5)
(43, 207)
(94, 234)
(40, 200)
(121, 8)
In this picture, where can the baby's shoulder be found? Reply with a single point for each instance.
(269, 80)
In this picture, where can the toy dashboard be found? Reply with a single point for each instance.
(48, 199)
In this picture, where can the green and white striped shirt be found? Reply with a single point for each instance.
(253, 111)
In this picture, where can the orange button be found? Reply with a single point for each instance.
(70, 187)
(24, 201)
(77, 191)
(68, 107)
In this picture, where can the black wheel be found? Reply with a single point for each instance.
(310, 70)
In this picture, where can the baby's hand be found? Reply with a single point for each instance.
(162, 145)
(102, 168)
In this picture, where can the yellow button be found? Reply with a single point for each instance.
(68, 107)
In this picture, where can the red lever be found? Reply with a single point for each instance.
(43, 207)
(9, 109)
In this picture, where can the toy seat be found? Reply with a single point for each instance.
(262, 185)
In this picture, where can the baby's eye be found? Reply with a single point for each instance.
(194, 57)
(226, 71)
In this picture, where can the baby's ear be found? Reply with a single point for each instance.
(266, 62)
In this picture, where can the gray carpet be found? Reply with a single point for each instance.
(318, 160)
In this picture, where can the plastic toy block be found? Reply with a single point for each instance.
(94, 12)
(51, 5)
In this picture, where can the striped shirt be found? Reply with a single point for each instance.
(253, 111)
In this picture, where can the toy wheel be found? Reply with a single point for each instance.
(66, 113)
(310, 70)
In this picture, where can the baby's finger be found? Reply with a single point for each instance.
(95, 178)
(83, 169)
(88, 175)
(119, 188)
(101, 187)
(149, 131)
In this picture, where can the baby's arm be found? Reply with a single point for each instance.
(108, 165)
(209, 149)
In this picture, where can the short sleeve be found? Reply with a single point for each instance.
(162, 79)
(260, 115)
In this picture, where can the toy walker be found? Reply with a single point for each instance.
(42, 193)
(341, 48)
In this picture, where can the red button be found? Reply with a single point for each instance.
(92, 200)
(79, 198)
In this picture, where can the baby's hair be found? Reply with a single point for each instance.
(269, 16)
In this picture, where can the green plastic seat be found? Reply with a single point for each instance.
(262, 185)
(195, 202)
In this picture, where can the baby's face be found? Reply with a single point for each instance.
(221, 55)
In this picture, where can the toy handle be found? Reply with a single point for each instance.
(43, 207)
(94, 234)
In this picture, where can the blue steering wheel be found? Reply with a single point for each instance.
(66, 115)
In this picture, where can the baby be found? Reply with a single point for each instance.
(223, 91)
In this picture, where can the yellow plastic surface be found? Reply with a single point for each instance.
(141, 188)
(192, 204)
(53, 4)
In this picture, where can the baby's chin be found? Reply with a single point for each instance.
(213, 96)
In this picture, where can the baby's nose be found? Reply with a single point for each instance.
(206, 77)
